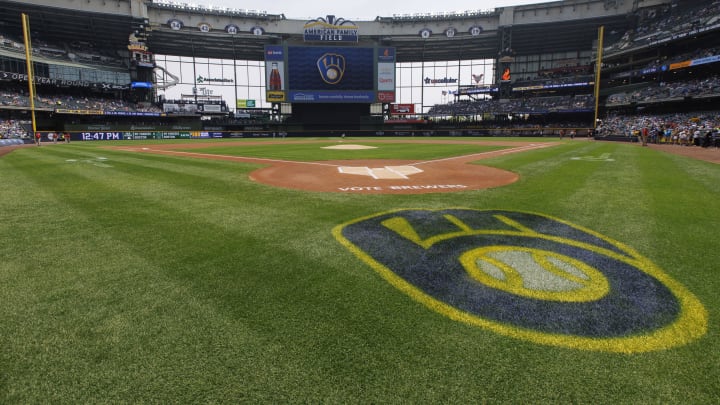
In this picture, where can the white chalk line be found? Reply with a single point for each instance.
(496, 152)
(239, 158)
(250, 159)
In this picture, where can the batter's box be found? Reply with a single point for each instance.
(387, 172)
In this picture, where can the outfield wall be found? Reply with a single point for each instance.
(13, 142)
(158, 135)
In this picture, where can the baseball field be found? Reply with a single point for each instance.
(424, 270)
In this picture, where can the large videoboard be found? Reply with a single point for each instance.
(329, 74)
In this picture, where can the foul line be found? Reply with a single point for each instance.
(251, 159)
(240, 158)
(498, 152)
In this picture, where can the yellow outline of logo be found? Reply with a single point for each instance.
(691, 323)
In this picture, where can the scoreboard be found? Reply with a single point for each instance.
(329, 74)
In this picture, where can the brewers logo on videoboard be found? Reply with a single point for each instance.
(331, 74)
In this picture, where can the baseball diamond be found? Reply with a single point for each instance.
(514, 203)
(434, 176)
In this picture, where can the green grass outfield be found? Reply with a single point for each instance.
(140, 278)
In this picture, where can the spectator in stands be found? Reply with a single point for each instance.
(680, 128)
(10, 129)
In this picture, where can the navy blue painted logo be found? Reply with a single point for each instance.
(528, 276)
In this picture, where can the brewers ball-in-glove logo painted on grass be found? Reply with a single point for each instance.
(528, 276)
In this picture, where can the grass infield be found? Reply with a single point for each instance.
(145, 278)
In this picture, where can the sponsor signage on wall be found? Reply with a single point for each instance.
(174, 108)
(386, 55)
(402, 109)
(444, 80)
(680, 65)
(386, 69)
(275, 73)
(386, 96)
(23, 77)
(243, 103)
(201, 79)
(331, 97)
(210, 108)
(386, 77)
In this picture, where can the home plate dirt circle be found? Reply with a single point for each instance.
(383, 177)
(393, 176)
(369, 176)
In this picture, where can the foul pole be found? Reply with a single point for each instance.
(598, 66)
(30, 70)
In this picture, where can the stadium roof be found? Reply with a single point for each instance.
(112, 30)
(53, 24)
(526, 40)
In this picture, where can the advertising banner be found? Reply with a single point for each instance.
(171, 108)
(244, 103)
(274, 73)
(707, 59)
(386, 77)
(386, 55)
(680, 65)
(386, 96)
(332, 97)
(23, 77)
(211, 108)
(402, 109)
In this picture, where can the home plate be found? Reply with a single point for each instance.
(387, 172)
